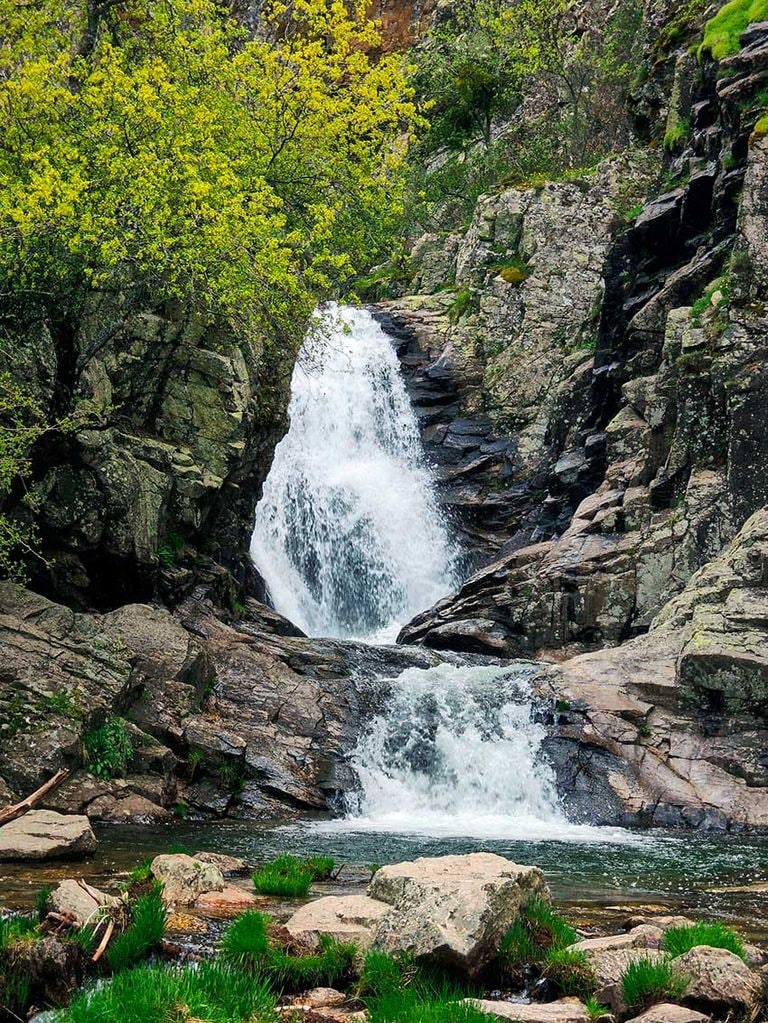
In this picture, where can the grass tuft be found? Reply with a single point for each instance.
(570, 972)
(415, 1005)
(146, 929)
(538, 930)
(15, 928)
(678, 940)
(647, 981)
(245, 944)
(382, 972)
(286, 876)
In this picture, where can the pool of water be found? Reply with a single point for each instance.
(712, 875)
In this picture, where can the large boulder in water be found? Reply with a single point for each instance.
(354, 918)
(45, 835)
(454, 909)
(185, 879)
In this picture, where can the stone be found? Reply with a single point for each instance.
(45, 835)
(128, 808)
(186, 923)
(644, 936)
(718, 977)
(609, 966)
(228, 865)
(79, 900)
(230, 901)
(454, 909)
(185, 879)
(54, 967)
(347, 918)
(565, 1010)
(667, 1012)
(321, 998)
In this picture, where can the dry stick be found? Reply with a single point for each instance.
(104, 942)
(10, 813)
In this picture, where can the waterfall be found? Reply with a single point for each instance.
(348, 535)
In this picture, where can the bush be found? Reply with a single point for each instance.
(678, 940)
(108, 750)
(570, 972)
(538, 930)
(647, 981)
(286, 876)
(155, 994)
(146, 929)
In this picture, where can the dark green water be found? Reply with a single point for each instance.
(687, 871)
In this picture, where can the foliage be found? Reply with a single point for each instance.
(595, 1009)
(569, 971)
(245, 943)
(168, 553)
(716, 299)
(537, 931)
(465, 302)
(382, 972)
(415, 1005)
(678, 940)
(721, 33)
(286, 876)
(513, 271)
(322, 867)
(761, 128)
(146, 929)
(22, 423)
(678, 132)
(42, 901)
(15, 928)
(158, 154)
(154, 994)
(108, 749)
(647, 981)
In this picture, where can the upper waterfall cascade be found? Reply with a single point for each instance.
(348, 534)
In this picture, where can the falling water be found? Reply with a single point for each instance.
(348, 535)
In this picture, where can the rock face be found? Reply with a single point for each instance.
(45, 835)
(450, 909)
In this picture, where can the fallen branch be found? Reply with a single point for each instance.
(104, 942)
(10, 813)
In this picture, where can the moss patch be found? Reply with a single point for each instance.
(721, 33)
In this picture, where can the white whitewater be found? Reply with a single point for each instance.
(348, 534)
(458, 753)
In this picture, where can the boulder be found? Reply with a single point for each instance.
(667, 1012)
(455, 909)
(609, 966)
(354, 918)
(644, 936)
(79, 900)
(53, 966)
(185, 879)
(130, 808)
(717, 977)
(226, 864)
(566, 1010)
(45, 835)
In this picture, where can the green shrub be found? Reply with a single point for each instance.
(155, 994)
(146, 929)
(465, 302)
(538, 930)
(108, 750)
(570, 972)
(245, 944)
(678, 940)
(286, 876)
(721, 33)
(647, 981)
(382, 972)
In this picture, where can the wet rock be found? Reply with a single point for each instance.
(44, 834)
(185, 879)
(667, 1012)
(566, 1010)
(347, 918)
(126, 808)
(230, 901)
(54, 967)
(453, 909)
(717, 977)
(79, 900)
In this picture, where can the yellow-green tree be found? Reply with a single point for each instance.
(152, 151)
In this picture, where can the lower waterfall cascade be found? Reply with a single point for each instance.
(348, 535)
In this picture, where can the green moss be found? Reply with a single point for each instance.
(514, 271)
(677, 133)
(761, 128)
(721, 33)
(678, 940)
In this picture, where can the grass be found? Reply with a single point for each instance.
(246, 946)
(465, 302)
(704, 304)
(42, 901)
(15, 928)
(537, 931)
(595, 1009)
(678, 940)
(146, 929)
(161, 994)
(382, 972)
(322, 867)
(721, 33)
(286, 876)
(413, 1005)
(570, 972)
(678, 132)
(647, 981)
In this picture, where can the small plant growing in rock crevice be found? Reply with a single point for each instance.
(647, 981)
(569, 971)
(538, 930)
(108, 750)
(679, 940)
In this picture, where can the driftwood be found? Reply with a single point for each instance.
(104, 942)
(10, 813)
